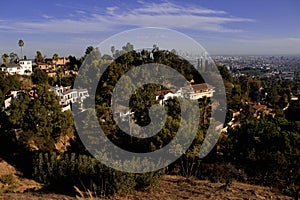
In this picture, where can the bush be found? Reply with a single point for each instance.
(7, 179)
(62, 172)
(148, 180)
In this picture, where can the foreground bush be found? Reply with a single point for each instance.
(62, 172)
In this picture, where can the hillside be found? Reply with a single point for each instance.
(171, 187)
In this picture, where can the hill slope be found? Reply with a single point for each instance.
(12, 186)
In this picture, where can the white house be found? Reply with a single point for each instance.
(13, 95)
(201, 90)
(163, 97)
(193, 92)
(23, 67)
(69, 96)
(26, 66)
(11, 68)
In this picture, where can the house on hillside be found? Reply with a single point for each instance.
(51, 74)
(200, 91)
(44, 66)
(26, 65)
(262, 110)
(23, 67)
(69, 96)
(50, 66)
(62, 61)
(11, 96)
(192, 92)
(58, 62)
(11, 68)
(164, 95)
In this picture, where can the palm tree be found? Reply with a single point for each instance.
(21, 44)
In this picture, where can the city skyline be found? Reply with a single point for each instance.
(67, 28)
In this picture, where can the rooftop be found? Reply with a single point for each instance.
(10, 65)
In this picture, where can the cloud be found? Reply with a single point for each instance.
(46, 16)
(169, 8)
(293, 39)
(270, 41)
(80, 12)
(162, 14)
(111, 10)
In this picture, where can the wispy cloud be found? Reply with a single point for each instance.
(111, 10)
(163, 14)
(46, 17)
(293, 39)
(168, 8)
(270, 41)
(80, 12)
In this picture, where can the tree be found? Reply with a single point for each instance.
(39, 76)
(41, 119)
(73, 63)
(113, 50)
(55, 57)
(5, 57)
(88, 50)
(39, 57)
(128, 47)
(8, 83)
(59, 74)
(21, 44)
(292, 113)
(226, 75)
(267, 148)
(13, 57)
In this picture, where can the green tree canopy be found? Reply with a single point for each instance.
(40, 119)
(5, 57)
(39, 76)
(39, 57)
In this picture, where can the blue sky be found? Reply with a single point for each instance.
(268, 27)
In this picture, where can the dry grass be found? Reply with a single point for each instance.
(11, 181)
(174, 187)
(171, 188)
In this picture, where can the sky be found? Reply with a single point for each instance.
(222, 27)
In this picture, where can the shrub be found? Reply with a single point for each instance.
(7, 179)
(62, 172)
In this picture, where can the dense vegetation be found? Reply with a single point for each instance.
(263, 150)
